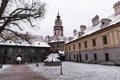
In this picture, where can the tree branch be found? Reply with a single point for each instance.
(18, 35)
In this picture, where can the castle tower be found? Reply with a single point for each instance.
(58, 28)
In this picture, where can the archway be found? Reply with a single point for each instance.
(19, 59)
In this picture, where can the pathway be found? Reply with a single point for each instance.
(20, 72)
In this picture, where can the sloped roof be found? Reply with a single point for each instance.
(25, 43)
(52, 58)
(91, 29)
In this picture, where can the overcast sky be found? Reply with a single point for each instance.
(74, 13)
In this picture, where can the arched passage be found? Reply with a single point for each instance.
(19, 59)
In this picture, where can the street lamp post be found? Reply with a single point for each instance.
(61, 68)
(37, 61)
(61, 72)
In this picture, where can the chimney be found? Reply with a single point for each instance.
(116, 7)
(82, 28)
(74, 32)
(95, 21)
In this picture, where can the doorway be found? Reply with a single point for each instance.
(19, 59)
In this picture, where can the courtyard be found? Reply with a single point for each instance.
(71, 71)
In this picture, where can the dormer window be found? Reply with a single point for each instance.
(105, 22)
(10, 41)
(19, 42)
(38, 43)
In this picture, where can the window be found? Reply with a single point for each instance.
(80, 57)
(74, 56)
(9, 58)
(32, 50)
(95, 56)
(105, 40)
(103, 23)
(10, 49)
(86, 56)
(69, 48)
(69, 57)
(77, 57)
(57, 45)
(79, 45)
(106, 56)
(19, 50)
(94, 42)
(42, 50)
(85, 43)
(73, 46)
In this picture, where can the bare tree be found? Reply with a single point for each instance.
(12, 11)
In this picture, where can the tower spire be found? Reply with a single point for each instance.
(58, 28)
(58, 16)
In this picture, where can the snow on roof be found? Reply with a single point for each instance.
(40, 44)
(25, 43)
(61, 52)
(52, 58)
(89, 30)
(114, 19)
(9, 42)
(56, 55)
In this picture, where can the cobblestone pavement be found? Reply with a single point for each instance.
(20, 72)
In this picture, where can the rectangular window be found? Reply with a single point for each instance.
(86, 56)
(32, 50)
(94, 42)
(42, 50)
(19, 50)
(85, 43)
(69, 48)
(79, 45)
(74, 56)
(10, 49)
(73, 46)
(106, 56)
(80, 57)
(95, 56)
(57, 45)
(105, 40)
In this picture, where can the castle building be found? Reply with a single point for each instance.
(58, 39)
(99, 43)
(16, 50)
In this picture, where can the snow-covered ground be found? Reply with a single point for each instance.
(78, 71)
(4, 67)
